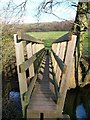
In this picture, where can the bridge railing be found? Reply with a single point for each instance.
(28, 51)
(62, 61)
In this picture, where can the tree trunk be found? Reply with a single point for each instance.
(80, 29)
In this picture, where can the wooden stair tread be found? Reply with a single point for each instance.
(45, 99)
(42, 109)
(42, 99)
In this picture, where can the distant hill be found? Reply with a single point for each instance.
(48, 26)
(36, 27)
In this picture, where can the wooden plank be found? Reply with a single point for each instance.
(31, 86)
(66, 76)
(29, 55)
(33, 114)
(44, 92)
(54, 47)
(50, 115)
(57, 52)
(62, 50)
(61, 55)
(52, 88)
(34, 48)
(39, 47)
(26, 64)
(45, 99)
(42, 97)
(43, 108)
(25, 37)
(60, 62)
(42, 103)
(21, 76)
(72, 81)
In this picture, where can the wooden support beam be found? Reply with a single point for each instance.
(66, 76)
(30, 89)
(60, 63)
(26, 64)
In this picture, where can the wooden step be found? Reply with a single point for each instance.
(42, 100)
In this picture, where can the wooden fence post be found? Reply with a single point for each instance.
(34, 48)
(30, 54)
(21, 76)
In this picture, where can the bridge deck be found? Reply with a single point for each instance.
(42, 99)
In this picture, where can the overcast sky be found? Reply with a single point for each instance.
(64, 11)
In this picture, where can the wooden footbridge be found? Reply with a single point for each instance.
(43, 75)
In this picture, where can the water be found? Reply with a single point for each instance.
(14, 96)
(78, 103)
(80, 111)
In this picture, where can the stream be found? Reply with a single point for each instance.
(77, 104)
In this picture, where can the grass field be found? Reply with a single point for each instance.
(8, 53)
(47, 37)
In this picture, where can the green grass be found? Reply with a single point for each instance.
(47, 37)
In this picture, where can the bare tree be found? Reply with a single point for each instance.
(12, 12)
(47, 6)
(83, 9)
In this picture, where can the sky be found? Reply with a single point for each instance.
(63, 11)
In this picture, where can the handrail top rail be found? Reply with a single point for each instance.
(64, 38)
(60, 63)
(25, 37)
(25, 65)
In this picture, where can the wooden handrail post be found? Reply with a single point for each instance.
(30, 54)
(61, 56)
(34, 48)
(21, 76)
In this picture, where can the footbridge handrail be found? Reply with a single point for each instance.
(62, 55)
(52, 74)
(34, 50)
(60, 63)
